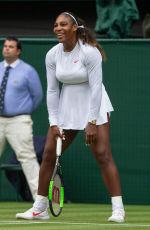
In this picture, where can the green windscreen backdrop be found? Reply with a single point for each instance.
(126, 76)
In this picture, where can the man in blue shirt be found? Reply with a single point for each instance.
(21, 96)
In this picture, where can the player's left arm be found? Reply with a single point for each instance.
(94, 69)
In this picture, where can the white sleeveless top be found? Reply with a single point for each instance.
(82, 97)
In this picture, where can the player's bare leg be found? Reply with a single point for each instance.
(102, 152)
(40, 206)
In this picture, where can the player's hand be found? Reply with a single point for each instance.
(57, 132)
(90, 134)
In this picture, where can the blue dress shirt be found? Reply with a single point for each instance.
(23, 91)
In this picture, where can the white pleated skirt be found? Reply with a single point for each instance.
(74, 106)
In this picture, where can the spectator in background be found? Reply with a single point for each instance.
(115, 18)
(146, 26)
(20, 94)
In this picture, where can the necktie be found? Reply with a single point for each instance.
(3, 88)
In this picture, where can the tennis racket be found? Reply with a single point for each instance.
(56, 187)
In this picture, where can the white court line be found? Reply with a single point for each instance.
(73, 223)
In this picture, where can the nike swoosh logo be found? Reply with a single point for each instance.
(76, 61)
(36, 213)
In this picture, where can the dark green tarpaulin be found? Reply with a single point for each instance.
(115, 17)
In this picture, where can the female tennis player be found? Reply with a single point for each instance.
(81, 104)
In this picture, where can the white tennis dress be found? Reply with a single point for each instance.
(82, 97)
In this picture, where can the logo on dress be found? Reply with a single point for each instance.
(75, 61)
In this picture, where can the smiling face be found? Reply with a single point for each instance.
(65, 29)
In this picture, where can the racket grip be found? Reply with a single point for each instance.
(59, 146)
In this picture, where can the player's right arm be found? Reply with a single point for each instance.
(52, 88)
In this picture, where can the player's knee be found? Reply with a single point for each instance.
(103, 155)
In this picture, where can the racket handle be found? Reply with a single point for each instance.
(59, 146)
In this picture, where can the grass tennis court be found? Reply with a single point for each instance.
(74, 217)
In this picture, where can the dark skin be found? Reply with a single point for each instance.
(96, 136)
